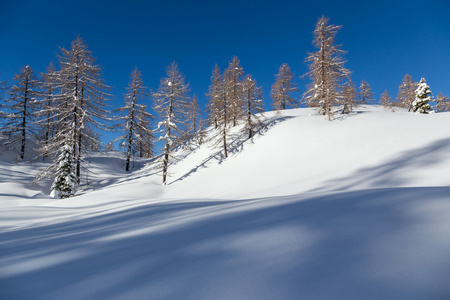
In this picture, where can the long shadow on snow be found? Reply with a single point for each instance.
(283, 248)
(116, 167)
(394, 172)
(238, 140)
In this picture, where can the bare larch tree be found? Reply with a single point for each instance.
(135, 122)
(218, 107)
(194, 122)
(386, 100)
(79, 107)
(253, 100)
(442, 102)
(326, 69)
(20, 109)
(214, 94)
(85, 91)
(407, 92)
(349, 97)
(282, 89)
(233, 86)
(47, 122)
(365, 93)
(171, 103)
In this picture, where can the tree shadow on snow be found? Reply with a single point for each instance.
(394, 172)
(285, 248)
(235, 145)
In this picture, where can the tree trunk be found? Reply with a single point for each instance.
(130, 133)
(22, 150)
(225, 141)
(166, 161)
(127, 166)
(249, 116)
(225, 116)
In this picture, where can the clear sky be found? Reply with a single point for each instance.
(384, 39)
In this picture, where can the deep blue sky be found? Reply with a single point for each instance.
(384, 39)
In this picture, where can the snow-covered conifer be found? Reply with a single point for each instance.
(171, 103)
(442, 103)
(349, 97)
(20, 109)
(65, 182)
(423, 97)
(326, 69)
(233, 86)
(407, 92)
(137, 134)
(253, 101)
(282, 89)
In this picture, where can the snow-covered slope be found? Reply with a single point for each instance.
(357, 208)
(301, 153)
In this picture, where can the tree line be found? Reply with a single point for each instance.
(64, 108)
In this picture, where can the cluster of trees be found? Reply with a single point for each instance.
(60, 110)
(331, 85)
(233, 98)
(64, 108)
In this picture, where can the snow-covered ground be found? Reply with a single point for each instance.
(357, 208)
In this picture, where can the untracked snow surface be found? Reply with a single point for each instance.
(356, 208)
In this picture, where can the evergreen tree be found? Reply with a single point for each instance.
(64, 185)
(233, 86)
(326, 69)
(20, 109)
(282, 89)
(253, 99)
(386, 100)
(407, 92)
(137, 133)
(171, 104)
(349, 97)
(423, 97)
(442, 103)
(365, 93)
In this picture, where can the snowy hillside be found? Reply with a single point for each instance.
(357, 208)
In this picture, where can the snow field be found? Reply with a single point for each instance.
(357, 208)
